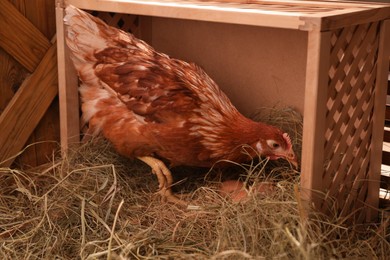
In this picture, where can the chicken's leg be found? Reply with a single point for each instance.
(164, 177)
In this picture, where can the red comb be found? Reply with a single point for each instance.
(286, 137)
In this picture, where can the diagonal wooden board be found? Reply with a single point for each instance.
(20, 38)
(27, 107)
(23, 41)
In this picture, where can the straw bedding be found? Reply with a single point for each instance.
(95, 204)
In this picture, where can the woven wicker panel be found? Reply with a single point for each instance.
(126, 22)
(350, 104)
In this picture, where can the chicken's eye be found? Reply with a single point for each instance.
(273, 144)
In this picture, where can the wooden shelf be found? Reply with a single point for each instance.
(299, 15)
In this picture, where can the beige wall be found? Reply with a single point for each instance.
(255, 66)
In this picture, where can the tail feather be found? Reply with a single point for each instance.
(83, 35)
(86, 36)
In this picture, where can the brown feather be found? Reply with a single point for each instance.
(148, 104)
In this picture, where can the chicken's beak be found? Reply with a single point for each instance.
(294, 163)
(292, 159)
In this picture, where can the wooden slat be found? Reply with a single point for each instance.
(11, 77)
(41, 13)
(378, 122)
(282, 5)
(335, 165)
(331, 124)
(261, 14)
(224, 13)
(335, 155)
(349, 179)
(27, 107)
(356, 192)
(355, 17)
(20, 38)
(68, 89)
(315, 107)
(348, 56)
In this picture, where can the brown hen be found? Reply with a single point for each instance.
(152, 106)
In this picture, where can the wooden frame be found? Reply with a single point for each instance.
(26, 49)
(378, 135)
(68, 92)
(343, 108)
(314, 125)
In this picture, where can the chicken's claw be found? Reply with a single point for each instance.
(164, 178)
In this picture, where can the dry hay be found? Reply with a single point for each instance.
(95, 204)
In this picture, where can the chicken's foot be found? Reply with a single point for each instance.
(164, 178)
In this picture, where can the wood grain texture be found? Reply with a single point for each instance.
(20, 38)
(378, 119)
(43, 143)
(68, 90)
(27, 107)
(300, 15)
(46, 136)
(12, 75)
(41, 13)
(215, 12)
(312, 165)
(354, 17)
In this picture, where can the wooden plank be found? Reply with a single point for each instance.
(224, 13)
(12, 75)
(20, 38)
(41, 13)
(378, 123)
(27, 107)
(68, 88)
(354, 17)
(46, 136)
(335, 15)
(297, 4)
(43, 142)
(317, 66)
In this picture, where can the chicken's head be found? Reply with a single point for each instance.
(275, 145)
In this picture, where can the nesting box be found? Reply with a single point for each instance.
(326, 59)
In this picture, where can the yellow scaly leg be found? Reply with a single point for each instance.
(164, 178)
